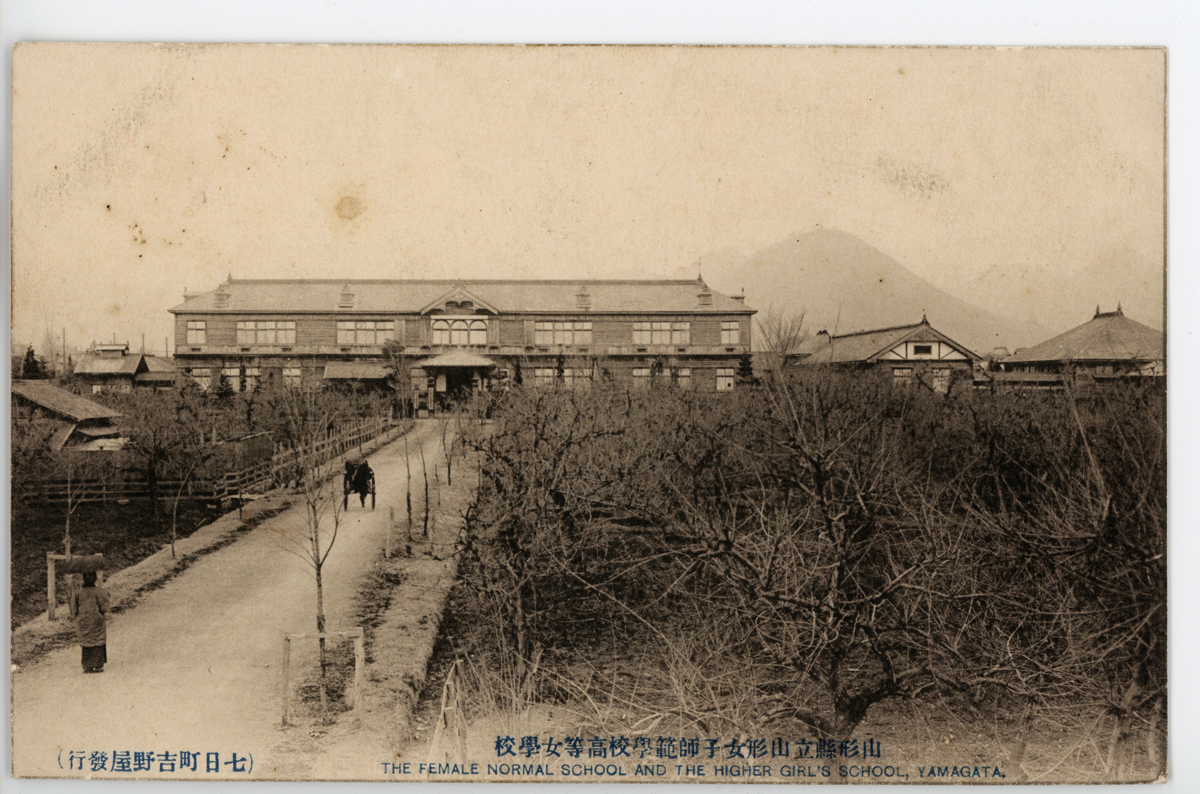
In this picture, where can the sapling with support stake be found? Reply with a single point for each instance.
(308, 413)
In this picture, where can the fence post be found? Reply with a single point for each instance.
(359, 663)
(287, 657)
(51, 594)
(387, 548)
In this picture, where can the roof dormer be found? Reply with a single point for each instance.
(583, 299)
(346, 298)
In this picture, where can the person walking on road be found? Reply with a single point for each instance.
(89, 606)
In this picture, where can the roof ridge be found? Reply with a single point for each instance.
(878, 330)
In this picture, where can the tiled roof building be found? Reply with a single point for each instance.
(907, 353)
(1108, 347)
(111, 367)
(461, 334)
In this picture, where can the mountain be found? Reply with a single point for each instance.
(843, 284)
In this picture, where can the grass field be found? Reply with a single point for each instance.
(124, 534)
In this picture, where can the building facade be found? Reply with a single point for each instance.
(112, 368)
(1108, 348)
(909, 354)
(448, 337)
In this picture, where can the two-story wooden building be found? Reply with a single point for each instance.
(455, 335)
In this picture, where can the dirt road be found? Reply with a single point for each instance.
(194, 667)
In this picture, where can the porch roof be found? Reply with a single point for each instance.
(457, 358)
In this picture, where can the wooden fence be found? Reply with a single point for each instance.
(255, 477)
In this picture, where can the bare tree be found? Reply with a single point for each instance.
(780, 336)
(84, 475)
(309, 414)
(159, 428)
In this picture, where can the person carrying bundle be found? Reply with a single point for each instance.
(89, 605)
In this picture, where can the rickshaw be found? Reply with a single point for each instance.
(358, 479)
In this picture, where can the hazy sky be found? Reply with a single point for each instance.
(1002, 176)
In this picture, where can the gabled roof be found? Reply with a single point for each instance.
(1108, 336)
(458, 295)
(61, 401)
(412, 297)
(99, 365)
(355, 370)
(867, 346)
(159, 364)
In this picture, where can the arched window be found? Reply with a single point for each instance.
(441, 332)
(459, 333)
(478, 332)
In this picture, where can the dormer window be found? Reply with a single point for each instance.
(221, 297)
(346, 299)
(583, 299)
(705, 295)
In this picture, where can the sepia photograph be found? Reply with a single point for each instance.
(588, 414)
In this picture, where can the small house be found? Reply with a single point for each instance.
(908, 354)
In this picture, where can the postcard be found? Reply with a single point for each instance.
(608, 414)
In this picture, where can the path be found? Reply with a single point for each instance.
(195, 665)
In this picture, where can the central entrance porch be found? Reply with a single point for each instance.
(450, 378)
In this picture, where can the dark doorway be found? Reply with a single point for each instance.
(454, 384)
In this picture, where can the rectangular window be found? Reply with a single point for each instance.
(292, 377)
(232, 376)
(197, 332)
(941, 379)
(683, 377)
(641, 378)
(252, 376)
(922, 350)
(731, 331)
(266, 332)
(562, 332)
(902, 375)
(543, 376)
(203, 377)
(725, 379)
(661, 333)
(365, 332)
